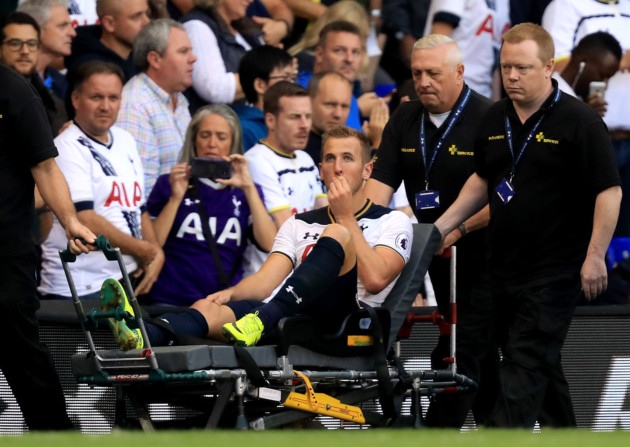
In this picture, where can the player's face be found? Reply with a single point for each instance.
(58, 32)
(331, 104)
(342, 53)
(132, 16)
(23, 60)
(289, 130)
(97, 103)
(437, 81)
(341, 157)
(525, 76)
(214, 137)
(175, 68)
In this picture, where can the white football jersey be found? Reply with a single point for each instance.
(568, 21)
(287, 182)
(381, 227)
(108, 179)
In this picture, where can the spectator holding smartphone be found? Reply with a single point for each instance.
(595, 59)
(202, 223)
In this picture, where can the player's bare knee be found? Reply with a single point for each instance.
(338, 233)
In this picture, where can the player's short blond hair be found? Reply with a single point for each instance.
(348, 132)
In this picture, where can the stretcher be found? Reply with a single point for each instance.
(353, 375)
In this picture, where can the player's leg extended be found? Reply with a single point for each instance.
(333, 255)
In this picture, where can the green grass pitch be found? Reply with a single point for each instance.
(326, 438)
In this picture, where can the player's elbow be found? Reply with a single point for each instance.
(375, 285)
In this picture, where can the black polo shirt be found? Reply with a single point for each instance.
(544, 230)
(399, 157)
(25, 140)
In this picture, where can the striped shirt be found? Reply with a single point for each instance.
(159, 131)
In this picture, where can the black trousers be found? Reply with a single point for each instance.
(532, 322)
(476, 350)
(24, 360)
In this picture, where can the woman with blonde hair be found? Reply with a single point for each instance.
(201, 222)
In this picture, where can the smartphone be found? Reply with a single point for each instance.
(597, 87)
(212, 168)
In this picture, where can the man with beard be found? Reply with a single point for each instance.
(287, 175)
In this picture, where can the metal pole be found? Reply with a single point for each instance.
(453, 304)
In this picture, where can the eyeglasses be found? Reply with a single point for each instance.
(17, 44)
(290, 78)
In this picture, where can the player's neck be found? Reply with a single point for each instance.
(358, 200)
(273, 143)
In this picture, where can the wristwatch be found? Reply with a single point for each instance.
(462, 228)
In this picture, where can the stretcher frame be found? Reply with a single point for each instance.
(272, 386)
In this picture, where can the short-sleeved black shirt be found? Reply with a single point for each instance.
(544, 230)
(25, 141)
(399, 157)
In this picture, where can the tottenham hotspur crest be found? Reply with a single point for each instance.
(237, 206)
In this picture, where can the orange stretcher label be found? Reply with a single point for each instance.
(360, 340)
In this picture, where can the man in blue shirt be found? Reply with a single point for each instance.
(259, 69)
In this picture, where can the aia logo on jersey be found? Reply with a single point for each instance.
(123, 197)
(306, 251)
(487, 26)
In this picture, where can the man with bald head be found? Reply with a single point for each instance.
(111, 40)
(331, 94)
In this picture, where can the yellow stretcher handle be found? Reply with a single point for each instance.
(320, 403)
